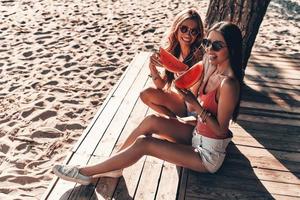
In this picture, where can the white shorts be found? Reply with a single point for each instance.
(212, 151)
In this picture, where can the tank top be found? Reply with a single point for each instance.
(209, 103)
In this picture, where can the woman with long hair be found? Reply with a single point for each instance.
(184, 42)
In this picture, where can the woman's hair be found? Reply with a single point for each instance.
(172, 44)
(233, 39)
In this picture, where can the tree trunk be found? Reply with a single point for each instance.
(247, 14)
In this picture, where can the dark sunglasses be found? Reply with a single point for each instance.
(193, 31)
(215, 45)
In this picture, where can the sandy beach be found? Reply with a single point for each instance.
(59, 60)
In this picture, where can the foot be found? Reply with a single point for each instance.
(71, 173)
(113, 174)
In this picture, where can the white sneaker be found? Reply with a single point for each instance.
(113, 174)
(71, 173)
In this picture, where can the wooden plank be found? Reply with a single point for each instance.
(82, 192)
(263, 140)
(268, 120)
(183, 184)
(272, 107)
(225, 187)
(105, 187)
(96, 132)
(281, 100)
(267, 159)
(169, 182)
(282, 141)
(263, 136)
(149, 179)
(119, 120)
(127, 186)
(270, 113)
(241, 167)
(262, 126)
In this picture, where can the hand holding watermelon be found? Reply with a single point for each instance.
(189, 97)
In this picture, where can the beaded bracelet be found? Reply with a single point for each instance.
(208, 114)
(205, 115)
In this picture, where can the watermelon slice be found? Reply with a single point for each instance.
(170, 62)
(190, 77)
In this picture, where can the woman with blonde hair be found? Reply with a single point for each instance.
(184, 42)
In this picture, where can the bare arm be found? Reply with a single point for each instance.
(228, 97)
(158, 80)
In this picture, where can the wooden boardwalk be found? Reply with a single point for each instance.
(263, 160)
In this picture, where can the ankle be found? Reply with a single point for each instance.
(84, 172)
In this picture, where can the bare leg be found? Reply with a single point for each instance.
(179, 154)
(168, 128)
(167, 103)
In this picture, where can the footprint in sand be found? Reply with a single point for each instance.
(44, 115)
(51, 83)
(71, 126)
(28, 54)
(4, 148)
(46, 132)
(50, 99)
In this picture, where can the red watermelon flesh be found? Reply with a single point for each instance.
(170, 62)
(190, 77)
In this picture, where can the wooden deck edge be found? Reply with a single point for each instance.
(91, 124)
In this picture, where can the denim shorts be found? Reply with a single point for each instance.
(212, 151)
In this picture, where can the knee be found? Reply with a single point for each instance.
(151, 123)
(144, 142)
(152, 119)
(146, 94)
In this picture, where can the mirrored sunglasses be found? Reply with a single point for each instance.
(215, 45)
(185, 29)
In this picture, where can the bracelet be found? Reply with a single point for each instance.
(204, 117)
(200, 115)
(208, 114)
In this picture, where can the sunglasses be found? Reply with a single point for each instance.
(215, 45)
(185, 29)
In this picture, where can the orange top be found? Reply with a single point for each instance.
(209, 103)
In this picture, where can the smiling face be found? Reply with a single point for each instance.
(187, 32)
(221, 56)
